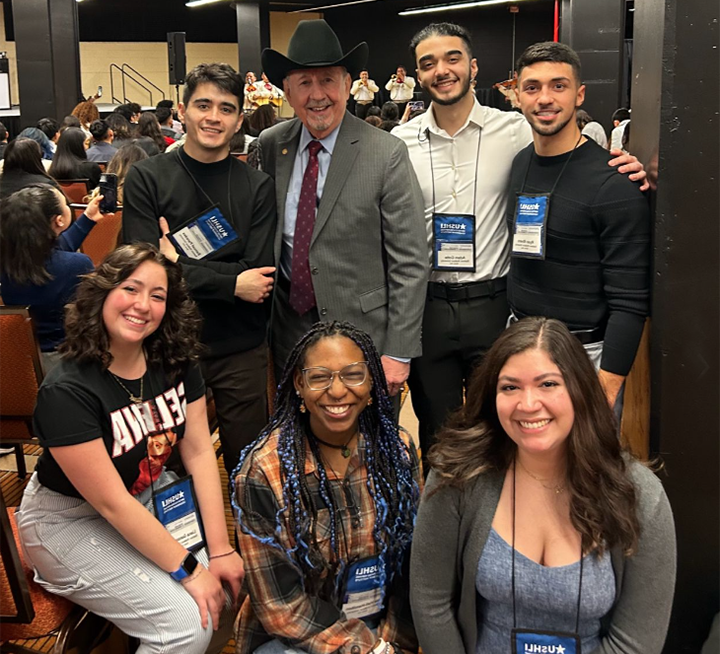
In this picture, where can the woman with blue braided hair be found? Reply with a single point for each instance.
(326, 500)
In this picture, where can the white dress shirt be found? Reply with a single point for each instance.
(302, 158)
(455, 167)
(362, 93)
(401, 91)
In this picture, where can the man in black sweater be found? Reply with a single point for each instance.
(226, 256)
(585, 260)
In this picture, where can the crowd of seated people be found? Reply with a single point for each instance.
(534, 522)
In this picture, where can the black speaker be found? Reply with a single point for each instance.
(176, 57)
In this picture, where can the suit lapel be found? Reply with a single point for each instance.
(343, 158)
(286, 149)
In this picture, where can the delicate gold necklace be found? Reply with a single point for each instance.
(557, 488)
(133, 398)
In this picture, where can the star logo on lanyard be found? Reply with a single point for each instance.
(560, 649)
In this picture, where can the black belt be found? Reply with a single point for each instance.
(459, 292)
(585, 336)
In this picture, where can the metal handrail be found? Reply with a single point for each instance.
(124, 74)
(139, 74)
(112, 85)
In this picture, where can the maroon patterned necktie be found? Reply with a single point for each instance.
(302, 295)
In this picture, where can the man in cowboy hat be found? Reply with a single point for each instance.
(351, 240)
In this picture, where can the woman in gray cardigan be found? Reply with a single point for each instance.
(535, 520)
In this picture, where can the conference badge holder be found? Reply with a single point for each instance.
(526, 641)
(530, 225)
(177, 509)
(362, 597)
(454, 242)
(205, 234)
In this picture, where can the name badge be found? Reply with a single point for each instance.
(529, 229)
(176, 508)
(203, 235)
(453, 242)
(525, 641)
(362, 596)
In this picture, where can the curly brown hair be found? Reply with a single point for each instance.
(86, 113)
(602, 496)
(173, 345)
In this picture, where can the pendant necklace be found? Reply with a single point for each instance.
(133, 398)
(557, 488)
(344, 449)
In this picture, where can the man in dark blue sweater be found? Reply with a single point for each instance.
(222, 214)
(580, 231)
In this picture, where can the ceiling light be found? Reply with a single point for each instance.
(457, 5)
(197, 3)
(339, 4)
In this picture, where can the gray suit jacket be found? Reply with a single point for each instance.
(368, 252)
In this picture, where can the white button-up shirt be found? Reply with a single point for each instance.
(456, 166)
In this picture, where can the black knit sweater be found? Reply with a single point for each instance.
(596, 267)
(160, 186)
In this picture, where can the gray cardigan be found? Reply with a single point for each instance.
(450, 534)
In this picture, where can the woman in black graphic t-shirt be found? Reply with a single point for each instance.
(126, 392)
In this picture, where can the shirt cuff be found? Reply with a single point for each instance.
(400, 359)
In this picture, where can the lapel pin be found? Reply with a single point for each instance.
(284, 150)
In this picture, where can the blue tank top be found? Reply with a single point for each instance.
(546, 597)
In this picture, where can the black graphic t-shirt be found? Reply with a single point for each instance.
(81, 402)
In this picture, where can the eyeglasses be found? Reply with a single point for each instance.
(320, 379)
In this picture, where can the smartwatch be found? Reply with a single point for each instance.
(187, 567)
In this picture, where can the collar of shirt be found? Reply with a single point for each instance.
(328, 142)
(476, 116)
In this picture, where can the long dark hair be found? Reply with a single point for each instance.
(69, 155)
(24, 155)
(149, 126)
(602, 497)
(390, 482)
(173, 345)
(26, 236)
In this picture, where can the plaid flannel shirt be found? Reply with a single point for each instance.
(276, 605)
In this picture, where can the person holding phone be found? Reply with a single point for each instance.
(39, 262)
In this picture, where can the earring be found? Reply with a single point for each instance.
(370, 401)
(303, 408)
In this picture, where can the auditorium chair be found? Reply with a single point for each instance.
(20, 376)
(103, 238)
(75, 189)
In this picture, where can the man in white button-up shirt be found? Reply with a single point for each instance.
(363, 91)
(462, 153)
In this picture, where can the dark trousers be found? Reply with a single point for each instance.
(362, 109)
(287, 326)
(456, 334)
(239, 386)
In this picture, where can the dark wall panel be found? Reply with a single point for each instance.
(388, 34)
(676, 132)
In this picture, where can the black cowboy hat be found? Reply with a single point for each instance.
(312, 45)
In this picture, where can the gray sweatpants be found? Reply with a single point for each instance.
(76, 553)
